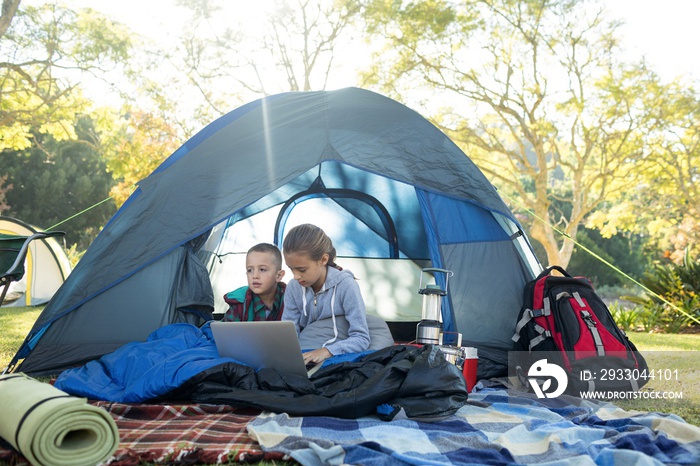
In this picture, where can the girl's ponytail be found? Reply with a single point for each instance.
(331, 259)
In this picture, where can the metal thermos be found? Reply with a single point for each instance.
(430, 327)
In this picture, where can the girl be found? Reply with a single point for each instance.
(320, 289)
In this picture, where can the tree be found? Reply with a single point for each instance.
(538, 98)
(290, 47)
(9, 8)
(50, 189)
(48, 55)
(666, 204)
(624, 250)
(44, 52)
(220, 60)
(140, 143)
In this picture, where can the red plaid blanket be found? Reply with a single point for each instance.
(176, 434)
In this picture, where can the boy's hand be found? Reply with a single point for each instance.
(316, 356)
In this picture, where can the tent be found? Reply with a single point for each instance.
(46, 267)
(391, 190)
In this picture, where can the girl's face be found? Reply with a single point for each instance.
(308, 272)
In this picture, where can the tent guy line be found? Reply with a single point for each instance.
(81, 212)
(601, 259)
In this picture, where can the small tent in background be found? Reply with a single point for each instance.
(391, 190)
(46, 267)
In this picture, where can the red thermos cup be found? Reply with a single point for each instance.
(471, 360)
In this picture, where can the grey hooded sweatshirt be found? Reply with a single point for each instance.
(339, 296)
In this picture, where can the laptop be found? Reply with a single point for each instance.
(262, 344)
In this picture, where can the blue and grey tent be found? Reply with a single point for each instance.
(392, 191)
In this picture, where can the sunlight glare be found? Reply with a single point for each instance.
(269, 158)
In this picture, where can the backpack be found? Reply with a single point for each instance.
(564, 316)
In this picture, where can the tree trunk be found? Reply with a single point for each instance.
(9, 8)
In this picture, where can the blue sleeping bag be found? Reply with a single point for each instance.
(180, 362)
(141, 371)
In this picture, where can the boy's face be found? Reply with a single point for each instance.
(262, 273)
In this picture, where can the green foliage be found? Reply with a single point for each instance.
(408, 20)
(3, 189)
(97, 41)
(664, 204)
(136, 145)
(57, 181)
(626, 252)
(651, 318)
(74, 255)
(43, 54)
(673, 302)
(626, 319)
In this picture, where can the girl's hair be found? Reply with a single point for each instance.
(310, 240)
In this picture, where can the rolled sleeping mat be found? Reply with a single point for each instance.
(50, 427)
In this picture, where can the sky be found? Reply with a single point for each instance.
(665, 32)
(662, 31)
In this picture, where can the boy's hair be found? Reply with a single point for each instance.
(271, 249)
(310, 240)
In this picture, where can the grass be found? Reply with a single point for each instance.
(15, 323)
(667, 353)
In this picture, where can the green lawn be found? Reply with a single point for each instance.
(676, 356)
(662, 351)
(15, 323)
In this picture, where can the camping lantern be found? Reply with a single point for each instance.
(430, 327)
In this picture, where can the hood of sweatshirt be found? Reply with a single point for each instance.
(338, 290)
(335, 276)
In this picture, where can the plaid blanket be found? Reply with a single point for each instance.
(495, 427)
(176, 434)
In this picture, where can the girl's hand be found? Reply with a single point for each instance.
(316, 356)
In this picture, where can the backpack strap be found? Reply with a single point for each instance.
(528, 315)
(543, 335)
(591, 386)
(590, 323)
(548, 270)
(634, 384)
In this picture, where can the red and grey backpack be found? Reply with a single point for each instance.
(564, 316)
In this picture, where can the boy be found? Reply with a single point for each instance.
(263, 298)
